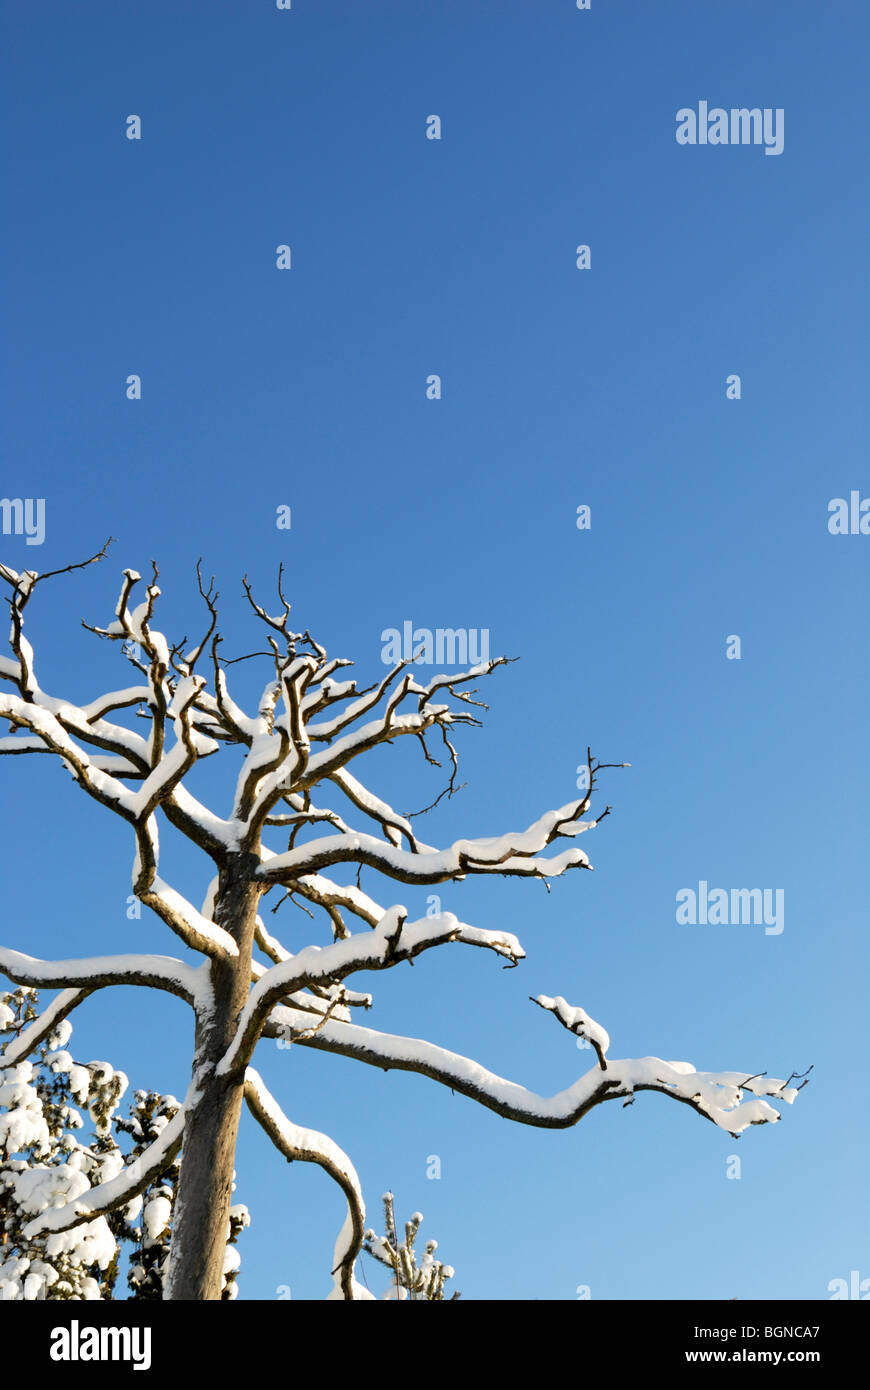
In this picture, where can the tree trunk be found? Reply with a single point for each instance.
(203, 1200)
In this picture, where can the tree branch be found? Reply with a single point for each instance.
(308, 1146)
(715, 1095)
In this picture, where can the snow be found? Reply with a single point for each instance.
(426, 867)
(502, 942)
(225, 832)
(116, 699)
(41, 1027)
(25, 1278)
(392, 937)
(110, 1165)
(576, 1020)
(80, 1083)
(59, 1061)
(41, 1186)
(60, 1199)
(717, 1095)
(118, 1190)
(138, 626)
(342, 895)
(22, 1122)
(187, 981)
(102, 1072)
(156, 1216)
(61, 1034)
(357, 952)
(192, 919)
(372, 805)
(247, 727)
(312, 1146)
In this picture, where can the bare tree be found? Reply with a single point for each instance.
(309, 728)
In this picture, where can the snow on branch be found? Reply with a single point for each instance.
(43, 1026)
(505, 855)
(718, 1096)
(48, 728)
(319, 889)
(577, 1021)
(375, 808)
(393, 940)
(288, 750)
(96, 972)
(369, 699)
(410, 1280)
(278, 765)
(77, 979)
(117, 1191)
(309, 1146)
(193, 928)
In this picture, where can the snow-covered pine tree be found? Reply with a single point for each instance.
(43, 1153)
(423, 1282)
(43, 1160)
(297, 748)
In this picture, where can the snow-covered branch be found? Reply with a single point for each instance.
(718, 1096)
(43, 1025)
(119, 1190)
(44, 725)
(516, 854)
(77, 979)
(296, 751)
(96, 972)
(191, 926)
(393, 940)
(577, 1021)
(309, 1146)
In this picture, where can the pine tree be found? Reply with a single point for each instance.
(43, 1157)
(423, 1282)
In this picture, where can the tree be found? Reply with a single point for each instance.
(423, 1282)
(42, 1161)
(308, 729)
(42, 1155)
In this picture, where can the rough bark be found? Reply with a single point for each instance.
(211, 1128)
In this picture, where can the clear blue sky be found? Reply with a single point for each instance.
(560, 387)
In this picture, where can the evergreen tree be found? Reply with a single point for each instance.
(44, 1160)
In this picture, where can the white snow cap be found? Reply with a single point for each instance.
(576, 1020)
(62, 1034)
(155, 1217)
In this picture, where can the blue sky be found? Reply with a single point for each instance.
(561, 387)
